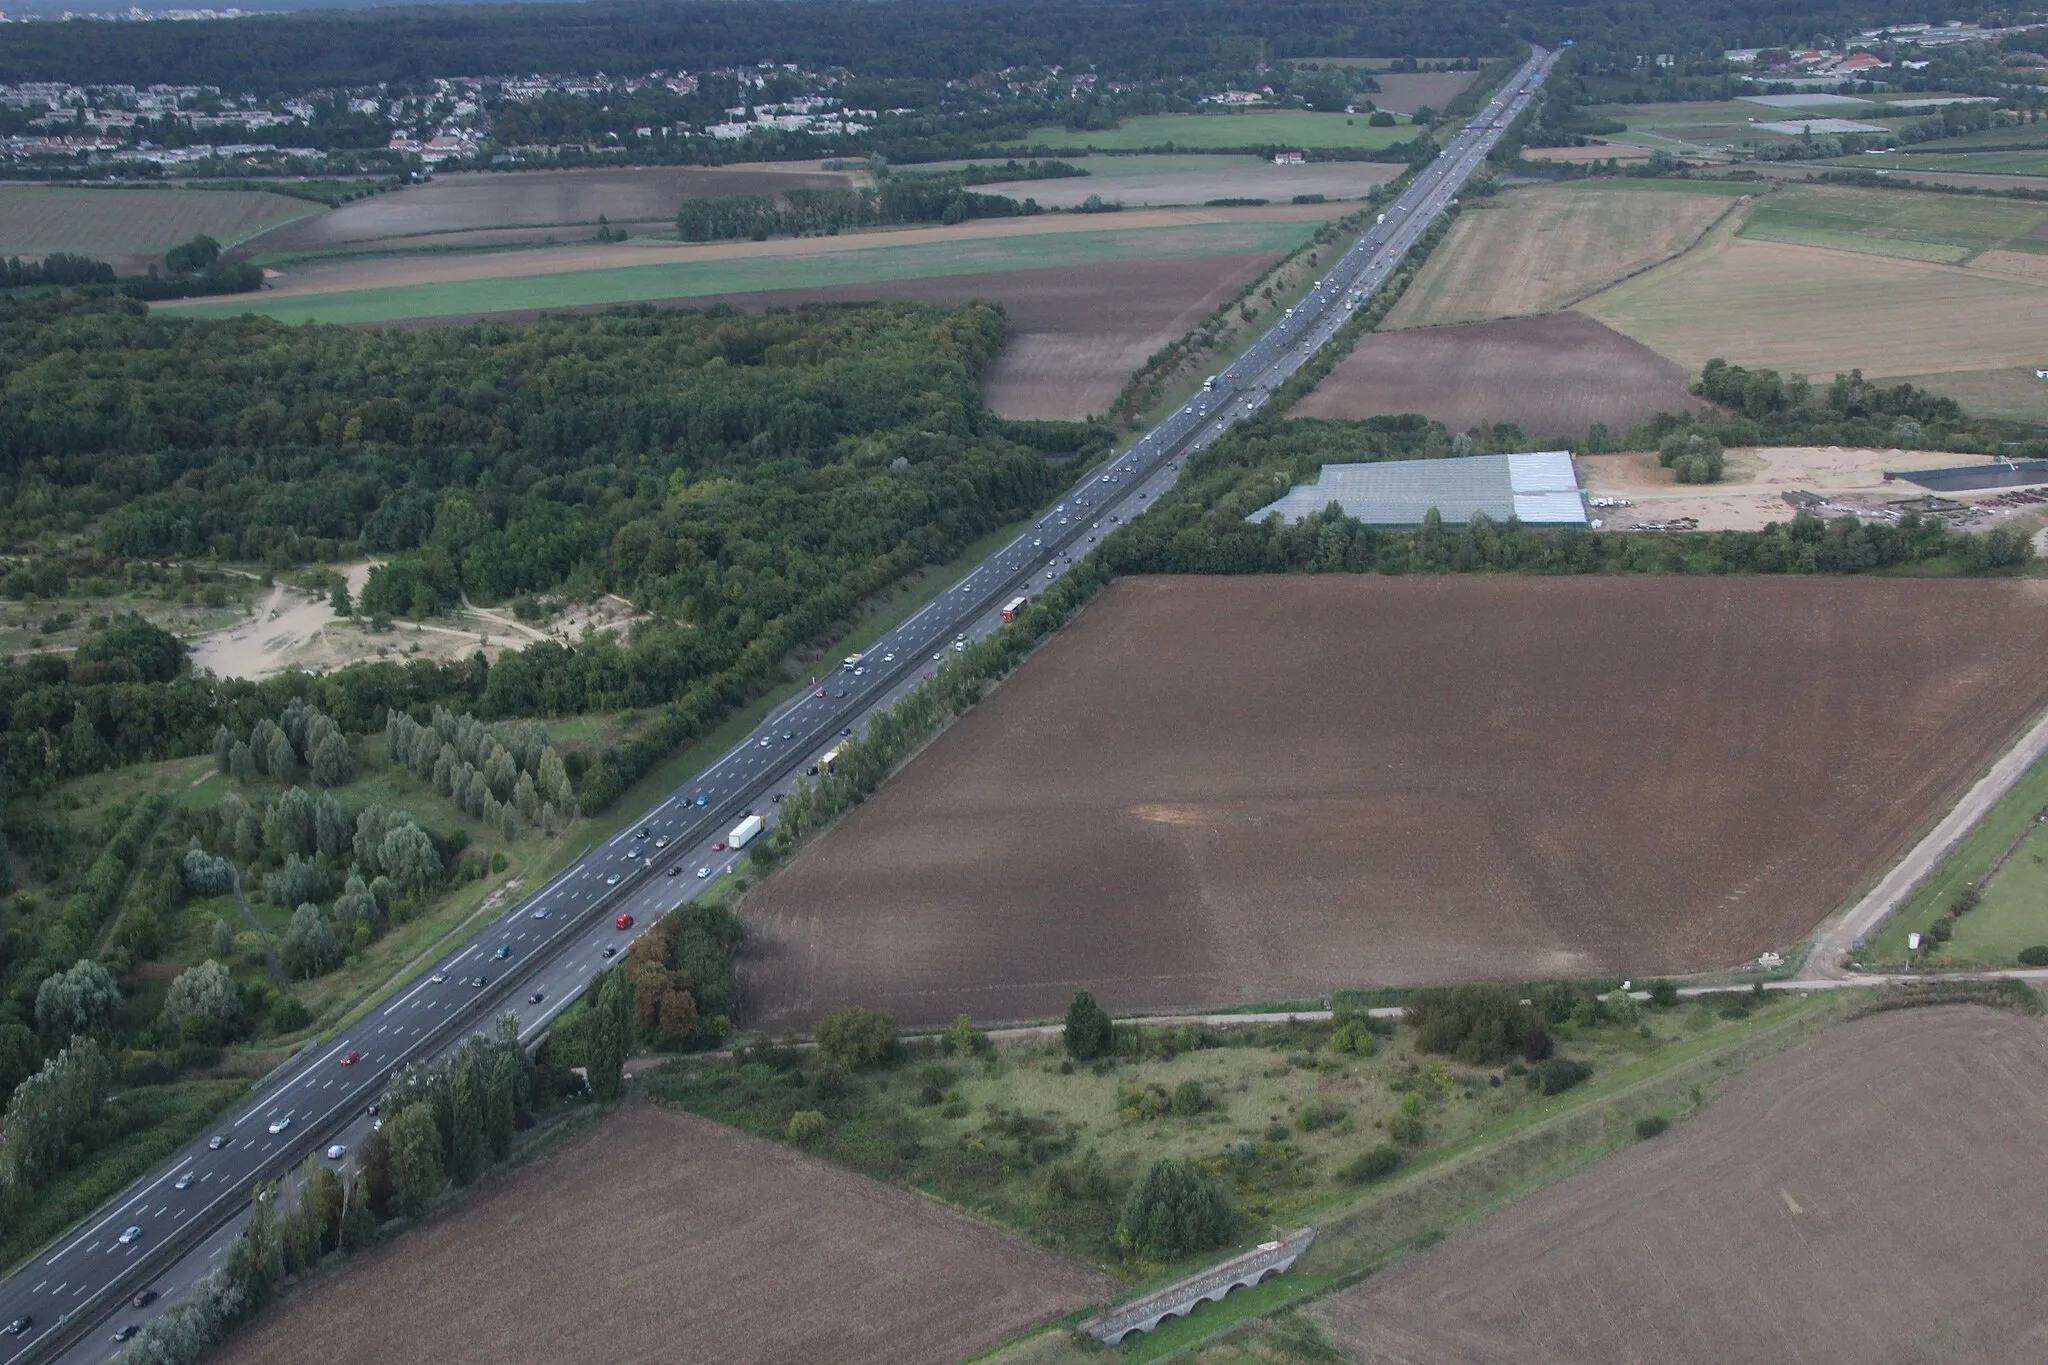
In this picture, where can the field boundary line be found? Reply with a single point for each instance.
(1706, 242)
(1849, 928)
(1741, 202)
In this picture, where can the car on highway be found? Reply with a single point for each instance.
(129, 1235)
(623, 922)
(718, 847)
(437, 978)
(536, 997)
(960, 646)
(125, 1332)
(675, 869)
(19, 1325)
(766, 742)
(143, 1300)
(821, 692)
(702, 873)
(336, 1152)
(789, 734)
(632, 852)
(504, 951)
(479, 982)
(777, 798)
(612, 880)
(609, 951)
(184, 1182)
(661, 841)
(701, 798)
(278, 1125)
(353, 1056)
(540, 912)
(217, 1141)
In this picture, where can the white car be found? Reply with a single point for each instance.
(703, 872)
(279, 1125)
(336, 1152)
(437, 978)
(128, 1235)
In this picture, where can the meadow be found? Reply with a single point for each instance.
(1947, 228)
(121, 224)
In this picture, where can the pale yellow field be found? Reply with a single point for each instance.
(1538, 250)
(1818, 311)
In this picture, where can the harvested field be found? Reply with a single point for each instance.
(1598, 151)
(1147, 180)
(481, 208)
(394, 289)
(1256, 128)
(658, 1228)
(1918, 226)
(1405, 92)
(1815, 311)
(1541, 249)
(2014, 391)
(131, 227)
(1849, 1200)
(1447, 779)
(1551, 376)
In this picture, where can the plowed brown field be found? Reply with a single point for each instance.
(1851, 1200)
(660, 1236)
(1552, 376)
(1226, 789)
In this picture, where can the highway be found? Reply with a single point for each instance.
(537, 957)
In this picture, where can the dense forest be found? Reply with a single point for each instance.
(927, 39)
(750, 481)
(799, 212)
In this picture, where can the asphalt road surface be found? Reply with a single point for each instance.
(535, 960)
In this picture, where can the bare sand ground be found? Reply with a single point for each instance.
(1753, 494)
(332, 276)
(290, 630)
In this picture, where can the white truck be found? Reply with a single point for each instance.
(745, 832)
(850, 661)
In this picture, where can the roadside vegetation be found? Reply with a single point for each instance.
(1142, 1149)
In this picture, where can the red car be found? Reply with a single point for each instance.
(718, 847)
(821, 691)
(624, 922)
(352, 1058)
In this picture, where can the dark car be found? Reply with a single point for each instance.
(609, 951)
(143, 1300)
(536, 997)
(20, 1325)
(674, 868)
(479, 982)
(504, 951)
(123, 1333)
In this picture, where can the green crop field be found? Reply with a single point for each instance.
(698, 279)
(1275, 128)
(1923, 227)
(38, 219)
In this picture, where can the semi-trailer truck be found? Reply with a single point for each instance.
(744, 832)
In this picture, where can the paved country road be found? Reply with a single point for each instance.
(535, 959)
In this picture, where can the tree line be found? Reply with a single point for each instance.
(809, 212)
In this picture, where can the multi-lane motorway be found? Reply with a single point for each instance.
(535, 959)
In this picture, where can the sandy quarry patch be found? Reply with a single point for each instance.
(1753, 494)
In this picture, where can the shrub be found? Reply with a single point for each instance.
(1651, 1125)
(2036, 956)
(1318, 1114)
(1354, 1037)
(1088, 1033)
(1476, 1024)
(1377, 1164)
(1537, 1044)
(1174, 1211)
(1189, 1099)
(806, 1126)
(855, 1037)
(1664, 994)
(1556, 1075)
(1407, 1128)
(1942, 930)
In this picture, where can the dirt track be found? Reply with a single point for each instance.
(1552, 376)
(1218, 790)
(661, 1236)
(1852, 1200)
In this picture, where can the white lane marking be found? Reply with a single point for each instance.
(94, 1230)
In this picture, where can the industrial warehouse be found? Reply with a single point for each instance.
(1538, 488)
